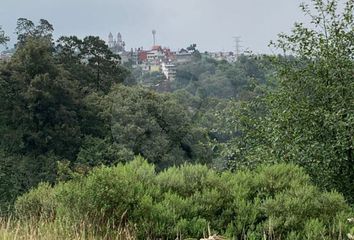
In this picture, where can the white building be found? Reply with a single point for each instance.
(155, 55)
(220, 56)
(169, 70)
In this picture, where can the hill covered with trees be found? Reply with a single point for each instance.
(257, 149)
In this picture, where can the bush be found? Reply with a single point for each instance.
(37, 204)
(275, 201)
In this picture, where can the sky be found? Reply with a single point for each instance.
(211, 24)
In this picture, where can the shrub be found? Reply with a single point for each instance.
(38, 203)
(106, 194)
(276, 202)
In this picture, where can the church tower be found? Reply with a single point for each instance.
(120, 42)
(119, 39)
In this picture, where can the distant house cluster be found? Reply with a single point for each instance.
(223, 56)
(157, 59)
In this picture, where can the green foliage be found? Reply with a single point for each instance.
(149, 78)
(317, 90)
(37, 204)
(9, 185)
(97, 151)
(156, 127)
(210, 78)
(3, 37)
(63, 114)
(318, 95)
(26, 29)
(19, 173)
(308, 118)
(183, 201)
(40, 103)
(105, 194)
(51, 107)
(91, 62)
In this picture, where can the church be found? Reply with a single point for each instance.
(116, 45)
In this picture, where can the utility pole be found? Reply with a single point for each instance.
(237, 40)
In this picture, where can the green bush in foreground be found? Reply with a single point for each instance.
(276, 202)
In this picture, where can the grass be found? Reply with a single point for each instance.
(13, 229)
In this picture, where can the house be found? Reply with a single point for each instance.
(142, 56)
(155, 55)
(169, 70)
(183, 56)
(155, 68)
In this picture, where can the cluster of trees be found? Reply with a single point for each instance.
(209, 78)
(70, 106)
(61, 105)
(45, 110)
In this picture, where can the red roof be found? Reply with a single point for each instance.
(142, 56)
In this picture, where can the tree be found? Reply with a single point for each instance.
(157, 127)
(27, 29)
(3, 37)
(40, 113)
(195, 52)
(91, 61)
(192, 47)
(309, 118)
(40, 102)
(19, 173)
(313, 109)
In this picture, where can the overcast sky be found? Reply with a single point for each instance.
(211, 24)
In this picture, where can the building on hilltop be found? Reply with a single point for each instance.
(156, 59)
(142, 56)
(155, 55)
(169, 70)
(223, 56)
(116, 45)
(183, 56)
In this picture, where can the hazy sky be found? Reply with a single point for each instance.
(210, 24)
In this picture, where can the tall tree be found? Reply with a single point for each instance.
(40, 101)
(310, 119)
(91, 61)
(3, 37)
(39, 114)
(27, 29)
(313, 109)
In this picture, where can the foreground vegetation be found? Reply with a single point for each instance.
(277, 201)
(27, 230)
(258, 149)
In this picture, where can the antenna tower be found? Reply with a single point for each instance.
(154, 36)
(237, 46)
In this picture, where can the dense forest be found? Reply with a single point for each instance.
(257, 149)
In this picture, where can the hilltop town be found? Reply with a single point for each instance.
(157, 59)
(161, 59)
